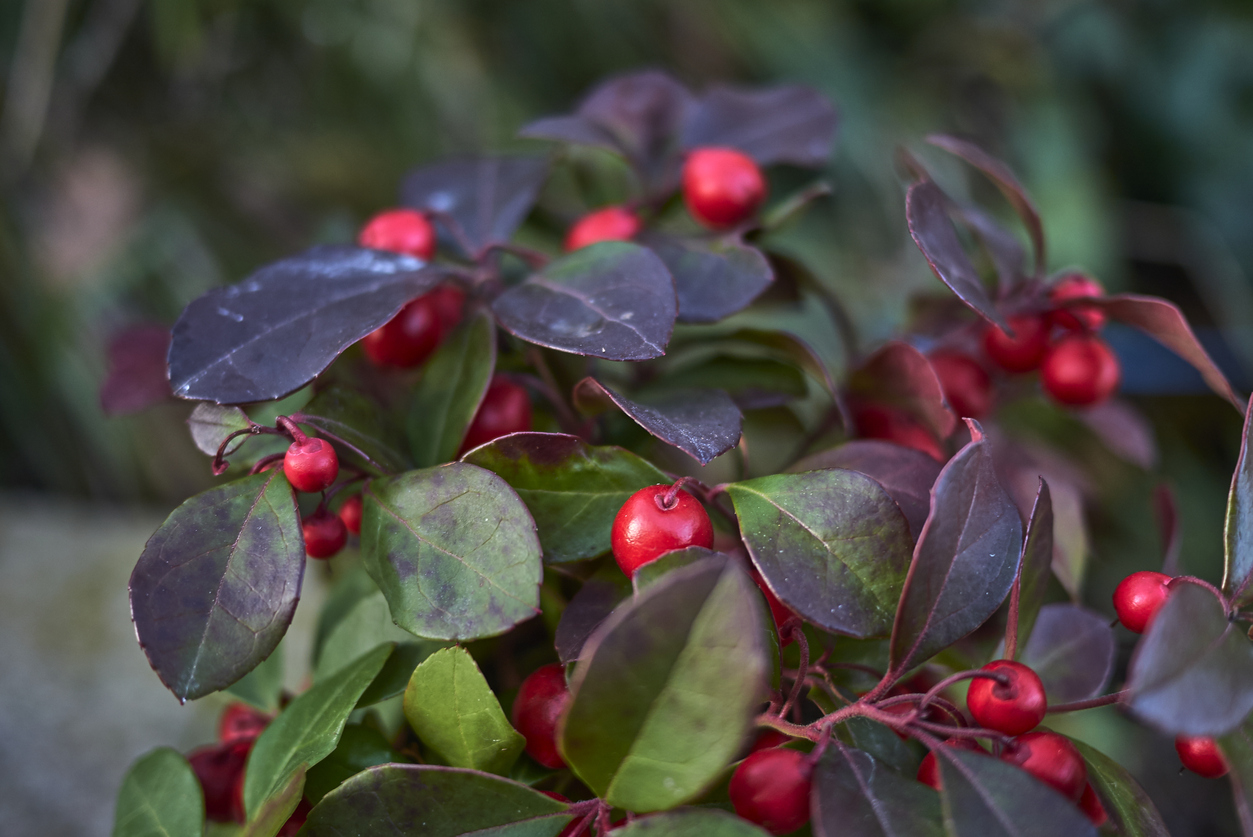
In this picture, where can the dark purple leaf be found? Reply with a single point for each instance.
(697, 821)
(278, 329)
(1238, 535)
(714, 278)
(595, 600)
(999, 243)
(900, 376)
(358, 425)
(137, 376)
(855, 796)
(1129, 808)
(1072, 649)
(216, 585)
(986, 797)
(1005, 180)
(1124, 430)
(965, 561)
(1037, 564)
(926, 209)
(612, 300)
(789, 124)
(702, 423)
(1192, 673)
(1166, 510)
(793, 348)
(753, 383)
(477, 201)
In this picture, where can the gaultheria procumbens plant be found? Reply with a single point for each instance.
(545, 618)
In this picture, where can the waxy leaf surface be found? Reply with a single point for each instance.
(278, 329)
(713, 278)
(1072, 649)
(355, 423)
(666, 688)
(360, 747)
(691, 822)
(786, 124)
(160, 797)
(986, 797)
(590, 606)
(1037, 565)
(832, 546)
(1128, 806)
(454, 551)
(451, 390)
(137, 376)
(1238, 532)
(666, 563)
(856, 796)
(210, 424)
(900, 376)
(216, 585)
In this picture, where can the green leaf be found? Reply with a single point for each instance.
(358, 424)
(454, 712)
(454, 551)
(451, 390)
(211, 424)
(856, 796)
(359, 747)
(881, 742)
(348, 590)
(1237, 748)
(666, 688)
(1037, 563)
(832, 545)
(263, 686)
(1128, 806)
(752, 382)
(160, 797)
(691, 822)
(277, 808)
(985, 797)
(573, 490)
(308, 729)
(658, 568)
(425, 801)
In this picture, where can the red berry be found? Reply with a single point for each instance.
(1090, 805)
(966, 385)
(325, 534)
(1138, 597)
(875, 421)
(311, 465)
(722, 186)
(1052, 759)
(1202, 756)
(613, 223)
(1024, 351)
(350, 513)
(1077, 317)
(779, 612)
(240, 721)
(1080, 370)
(406, 339)
(220, 769)
(929, 770)
(1012, 707)
(448, 301)
(644, 529)
(541, 699)
(768, 739)
(506, 409)
(771, 788)
(400, 231)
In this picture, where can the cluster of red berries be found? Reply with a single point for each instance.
(311, 465)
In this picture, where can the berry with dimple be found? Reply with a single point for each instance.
(1052, 759)
(1139, 597)
(722, 187)
(877, 421)
(400, 231)
(613, 223)
(325, 534)
(1090, 805)
(1076, 317)
(1024, 351)
(350, 513)
(542, 698)
(220, 769)
(929, 770)
(771, 788)
(408, 338)
(311, 465)
(646, 527)
(506, 409)
(967, 386)
(1012, 707)
(240, 721)
(1201, 755)
(1080, 370)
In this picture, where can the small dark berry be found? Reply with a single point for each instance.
(542, 698)
(350, 513)
(325, 534)
(240, 721)
(408, 338)
(771, 788)
(220, 769)
(506, 409)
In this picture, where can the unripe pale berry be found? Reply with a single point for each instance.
(1077, 317)
(1139, 597)
(220, 769)
(350, 513)
(722, 187)
(1024, 352)
(1080, 370)
(400, 231)
(966, 385)
(240, 721)
(1012, 707)
(1090, 805)
(1052, 759)
(645, 529)
(771, 788)
(929, 770)
(406, 339)
(325, 534)
(877, 421)
(506, 409)
(542, 698)
(613, 223)
(1201, 755)
(311, 465)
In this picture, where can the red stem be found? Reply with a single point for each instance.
(297, 435)
(1091, 703)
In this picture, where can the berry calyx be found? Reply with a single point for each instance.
(613, 223)
(1013, 703)
(325, 534)
(400, 231)
(967, 387)
(1080, 370)
(771, 788)
(1076, 317)
(311, 465)
(350, 513)
(1052, 759)
(220, 769)
(1201, 755)
(1090, 805)
(929, 770)
(1024, 352)
(542, 698)
(506, 409)
(240, 721)
(657, 520)
(876, 421)
(406, 339)
(1139, 597)
(722, 187)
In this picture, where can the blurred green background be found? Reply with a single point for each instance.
(151, 149)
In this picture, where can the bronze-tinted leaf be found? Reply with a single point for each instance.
(714, 278)
(900, 376)
(787, 124)
(1072, 649)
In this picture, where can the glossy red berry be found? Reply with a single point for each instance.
(311, 465)
(1012, 707)
(325, 534)
(1052, 759)
(929, 770)
(1201, 756)
(1076, 317)
(876, 421)
(1138, 597)
(613, 223)
(449, 303)
(506, 409)
(542, 698)
(645, 528)
(350, 513)
(967, 386)
(240, 721)
(406, 339)
(722, 187)
(768, 739)
(220, 769)
(1024, 351)
(1080, 370)
(400, 231)
(1090, 805)
(771, 788)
